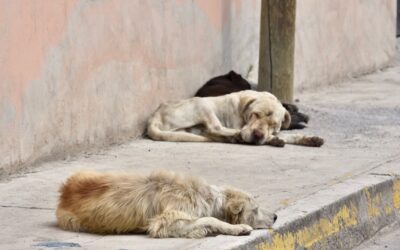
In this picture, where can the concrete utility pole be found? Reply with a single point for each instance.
(276, 64)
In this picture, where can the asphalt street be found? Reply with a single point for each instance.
(388, 238)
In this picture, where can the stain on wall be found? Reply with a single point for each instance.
(80, 74)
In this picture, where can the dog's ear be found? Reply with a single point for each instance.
(286, 120)
(244, 105)
(235, 207)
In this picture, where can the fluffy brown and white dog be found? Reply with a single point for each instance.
(162, 204)
(247, 116)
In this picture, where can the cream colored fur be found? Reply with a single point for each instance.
(247, 116)
(162, 204)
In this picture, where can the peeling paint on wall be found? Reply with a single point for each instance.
(28, 29)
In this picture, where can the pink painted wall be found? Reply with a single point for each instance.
(80, 74)
(336, 39)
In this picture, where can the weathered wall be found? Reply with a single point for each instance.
(82, 74)
(79, 74)
(339, 38)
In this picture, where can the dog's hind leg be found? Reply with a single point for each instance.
(218, 132)
(179, 224)
(181, 136)
(155, 133)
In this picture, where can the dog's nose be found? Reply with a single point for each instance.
(258, 135)
(275, 217)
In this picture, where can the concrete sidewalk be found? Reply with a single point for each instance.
(359, 119)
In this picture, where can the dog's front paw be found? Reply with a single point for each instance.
(312, 141)
(241, 229)
(276, 142)
(237, 138)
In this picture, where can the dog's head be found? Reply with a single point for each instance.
(263, 116)
(242, 208)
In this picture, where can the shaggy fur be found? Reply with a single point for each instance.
(233, 82)
(162, 204)
(242, 117)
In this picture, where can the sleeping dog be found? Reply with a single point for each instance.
(162, 204)
(241, 117)
(233, 82)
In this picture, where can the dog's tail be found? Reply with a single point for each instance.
(155, 132)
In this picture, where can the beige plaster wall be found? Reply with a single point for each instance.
(340, 38)
(82, 74)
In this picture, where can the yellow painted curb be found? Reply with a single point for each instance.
(379, 203)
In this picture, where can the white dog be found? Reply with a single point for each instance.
(246, 116)
(162, 204)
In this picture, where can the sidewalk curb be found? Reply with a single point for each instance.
(340, 217)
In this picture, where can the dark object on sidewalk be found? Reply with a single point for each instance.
(233, 82)
(222, 85)
(297, 117)
(398, 19)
